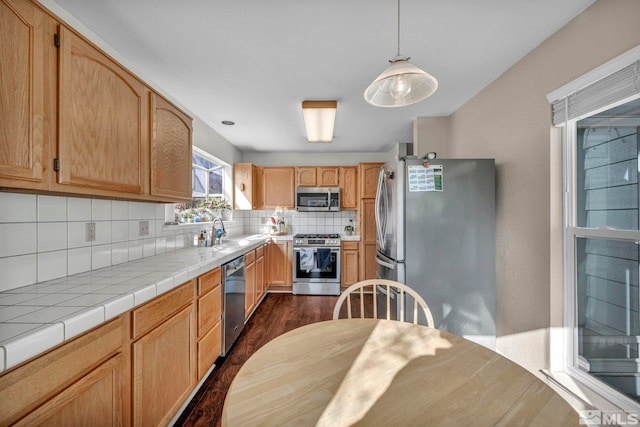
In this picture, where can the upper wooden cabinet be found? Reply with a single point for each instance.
(321, 176)
(348, 187)
(327, 176)
(368, 175)
(170, 150)
(244, 186)
(27, 67)
(103, 120)
(306, 176)
(278, 187)
(73, 120)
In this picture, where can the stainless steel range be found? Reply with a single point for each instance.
(316, 264)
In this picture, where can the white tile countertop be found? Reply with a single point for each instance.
(36, 318)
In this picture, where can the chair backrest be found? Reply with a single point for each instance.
(384, 288)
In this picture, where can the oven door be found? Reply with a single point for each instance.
(305, 271)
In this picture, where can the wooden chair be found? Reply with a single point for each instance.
(373, 288)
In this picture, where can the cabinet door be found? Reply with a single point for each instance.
(243, 186)
(349, 187)
(367, 261)
(209, 348)
(368, 175)
(250, 289)
(279, 264)
(327, 176)
(170, 151)
(26, 61)
(164, 369)
(278, 187)
(104, 116)
(259, 278)
(94, 400)
(305, 176)
(350, 264)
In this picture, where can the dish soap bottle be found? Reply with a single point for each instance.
(201, 240)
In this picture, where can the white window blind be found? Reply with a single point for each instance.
(613, 88)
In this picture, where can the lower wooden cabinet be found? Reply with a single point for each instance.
(94, 400)
(250, 284)
(350, 264)
(83, 382)
(164, 370)
(260, 276)
(209, 339)
(279, 265)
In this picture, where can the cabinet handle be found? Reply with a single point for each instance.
(241, 187)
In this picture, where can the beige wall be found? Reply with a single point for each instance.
(510, 121)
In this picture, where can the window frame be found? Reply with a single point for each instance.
(221, 166)
(571, 232)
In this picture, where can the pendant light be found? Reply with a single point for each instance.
(401, 83)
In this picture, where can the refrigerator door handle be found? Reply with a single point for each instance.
(378, 213)
(385, 264)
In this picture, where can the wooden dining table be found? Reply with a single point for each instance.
(373, 372)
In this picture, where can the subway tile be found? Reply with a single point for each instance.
(52, 208)
(78, 209)
(119, 231)
(16, 207)
(119, 210)
(52, 236)
(119, 253)
(161, 245)
(100, 210)
(135, 210)
(18, 239)
(103, 233)
(148, 211)
(79, 260)
(161, 208)
(100, 256)
(149, 248)
(52, 265)
(135, 249)
(77, 235)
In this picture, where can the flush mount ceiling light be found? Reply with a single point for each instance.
(401, 83)
(319, 119)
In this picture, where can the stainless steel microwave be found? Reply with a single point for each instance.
(318, 199)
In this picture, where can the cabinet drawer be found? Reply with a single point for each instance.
(209, 348)
(260, 252)
(209, 309)
(209, 280)
(250, 257)
(26, 387)
(350, 246)
(158, 310)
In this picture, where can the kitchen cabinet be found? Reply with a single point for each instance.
(103, 121)
(250, 283)
(320, 176)
(260, 274)
(350, 264)
(306, 176)
(279, 265)
(368, 174)
(27, 67)
(209, 305)
(245, 186)
(163, 355)
(82, 381)
(348, 178)
(328, 176)
(278, 187)
(170, 150)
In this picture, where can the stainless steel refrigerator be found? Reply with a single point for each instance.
(435, 231)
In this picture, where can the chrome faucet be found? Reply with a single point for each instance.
(218, 233)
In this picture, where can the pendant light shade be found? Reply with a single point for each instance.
(401, 83)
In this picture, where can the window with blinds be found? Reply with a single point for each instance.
(602, 234)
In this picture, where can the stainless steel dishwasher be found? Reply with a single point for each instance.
(233, 311)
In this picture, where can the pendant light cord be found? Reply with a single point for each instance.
(398, 53)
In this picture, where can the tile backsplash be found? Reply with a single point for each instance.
(45, 237)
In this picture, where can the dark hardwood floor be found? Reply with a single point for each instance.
(277, 314)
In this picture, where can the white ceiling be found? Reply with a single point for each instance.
(254, 62)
